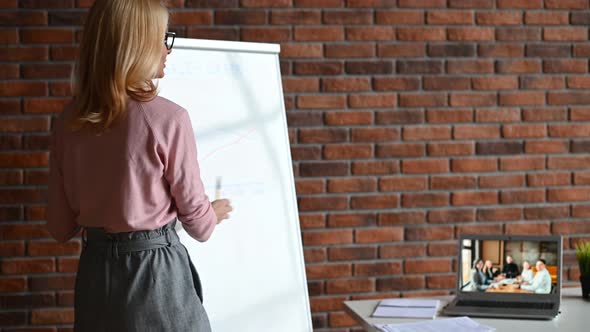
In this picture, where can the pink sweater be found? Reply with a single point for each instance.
(138, 175)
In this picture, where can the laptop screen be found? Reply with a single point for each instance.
(509, 266)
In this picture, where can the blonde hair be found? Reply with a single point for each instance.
(119, 56)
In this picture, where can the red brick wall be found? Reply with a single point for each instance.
(411, 121)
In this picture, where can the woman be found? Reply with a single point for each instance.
(124, 168)
(478, 279)
(488, 270)
(527, 273)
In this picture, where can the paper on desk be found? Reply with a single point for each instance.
(414, 308)
(459, 324)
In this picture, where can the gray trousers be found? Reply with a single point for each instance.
(137, 281)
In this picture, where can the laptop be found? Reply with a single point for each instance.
(509, 290)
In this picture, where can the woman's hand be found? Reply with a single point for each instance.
(222, 209)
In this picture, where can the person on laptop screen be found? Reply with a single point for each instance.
(527, 274)
(510, 270)
(478, 278)
(541, 283)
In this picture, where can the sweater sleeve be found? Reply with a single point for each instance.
(182, 172)
(61, 220)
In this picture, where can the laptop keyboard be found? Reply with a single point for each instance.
(496, 304)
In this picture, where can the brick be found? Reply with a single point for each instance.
(209, 3)
(529, 228)
(370, 33)
(503, 147)
(402, 250)
(318, 68)
(351, 219)
(374, 202)
(374, 134)
(568, 162)
(301, 51)
(501, 50)
(580, 113)
(323, 33)
(372, 100)
(578, 82)
(546, 18)
(397, 17)
(495, 83)
(450, 149)
(473, 99)
(219, 33)
(449, 116)
(401, 51)
(46, 36)
(524, 131)
(325, 237)
(240, 17)
(307, 186)
(547, 82)
(23, 18)
(580, 146)
(317, 271)
(461, 165)
(321, 101)
(580, 18)
(370, 3)
(570, 227)
(348, 17)
(471, 3)
(348, 118)
(450, 17)
(400, 117)
(522, 163)
(565, 98)
(566, 4)
(27, 266)
(478, 229)
(518, 34)
(331, 303)
(399, 150)
(520, 4)
(451, 50)
(580, 210)
(544, 114)
(421, 34)
(369, 67)
(441, 281)
(295, 17)
(502, 181)
(60, 89)
(421, 3)
(11, 213)
(318, 3)
(400, 219)
(474, 198)
(429, 233)
(340, 319)
(339, 286)
(427, 266)
(400, 283)
(426, 166)
(301, 85)
(451, 216)
(422, 99)
(565, 34)
(345, 84)
(324, 169)
(497, 115)
(548, 51)
(415, 200)
(403, 183)
(62, 282)
(499, 214)
(20, 124)
(546, 147)
(22, 88)
(518, 66)
(48, 71)
(426, 133)
(452, 182)
(382, 234)
(446, 83)
(395, 83)
(265, 3)
(499, 18)
(352, 253)
(470, 66)
(30, 159)
(191, 17)
(522, 196)
(476, 132)
(375, 167)
(565, 66)
(347, 151)
(10, 142)
(273, 34)
(378, 269)
(546, 212)
(350, 51)
(471, 34)
(44, 248)
(569, 130)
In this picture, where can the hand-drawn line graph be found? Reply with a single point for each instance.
(240, 139)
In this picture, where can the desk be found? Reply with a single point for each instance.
(502, 288)
(573, 318)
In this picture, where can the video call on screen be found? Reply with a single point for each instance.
(498, 266)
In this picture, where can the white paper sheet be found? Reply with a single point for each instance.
(459, 324)
(412, 308)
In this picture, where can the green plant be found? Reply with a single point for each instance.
(583, 255)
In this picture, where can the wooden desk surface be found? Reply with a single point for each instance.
(573, 317)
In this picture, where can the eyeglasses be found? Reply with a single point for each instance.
(169, 40)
